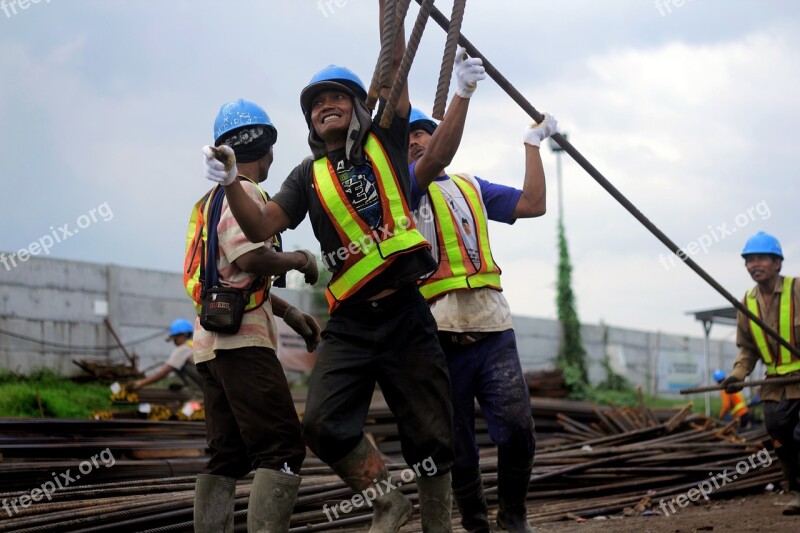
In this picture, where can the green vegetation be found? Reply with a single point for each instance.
(571, 356)
(45, 394)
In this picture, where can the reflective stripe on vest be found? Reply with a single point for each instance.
(367, 253)
(196, 237)
(739, 404)
(456, 270)
(787, 363)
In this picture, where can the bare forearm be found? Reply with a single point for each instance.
(279, 305)
(443, 144)
(248, 214)
(533, 202)
(267, 262)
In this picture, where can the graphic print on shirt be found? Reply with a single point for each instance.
(462, 212)
(359, 184)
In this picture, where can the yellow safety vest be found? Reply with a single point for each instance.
(786, 362)
(456, 270)
(195, 252)
(366, 252)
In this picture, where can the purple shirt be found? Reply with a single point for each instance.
(500, 200)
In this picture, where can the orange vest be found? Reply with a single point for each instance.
(733, 403)
(456, 270)
(366, 253)
(195, 252)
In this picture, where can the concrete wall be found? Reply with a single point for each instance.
(54, 301)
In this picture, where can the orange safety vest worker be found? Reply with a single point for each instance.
(456, 270)
(733, 404)
(195, 252)
(368, 252)
(785, 363)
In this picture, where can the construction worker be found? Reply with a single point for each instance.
(355, 191)
(180, 360)
(473, 317)
(251, 421)
(733, 406)
(774, 300)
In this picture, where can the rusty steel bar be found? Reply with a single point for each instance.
(405, 65)
(752, 383)
(604, 183)
(446, 70)
(383, 69)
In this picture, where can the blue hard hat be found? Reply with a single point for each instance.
(418, 120)
(180, 326)
(238, 114)
(332, 77)
(719, 375)
(762, 243)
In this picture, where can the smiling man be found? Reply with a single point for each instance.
(355, 190)
(775, 300)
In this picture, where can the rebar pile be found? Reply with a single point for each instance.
(601, 461)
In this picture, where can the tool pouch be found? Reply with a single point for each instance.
(222, 309)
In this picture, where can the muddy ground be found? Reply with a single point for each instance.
(758, 512)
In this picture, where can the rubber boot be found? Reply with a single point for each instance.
(790, 465)
(358, 469)
(512, 489)
(472, 504)
(436, 503)
(213, 503)
(272, 498)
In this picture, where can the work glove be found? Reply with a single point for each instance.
(732, 384)
(310, 269)
(469, 71)
(222, 172)
(536, 133)
(304, 325)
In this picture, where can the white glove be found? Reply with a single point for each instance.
(217, 171)
(536, 133)
(469, 72)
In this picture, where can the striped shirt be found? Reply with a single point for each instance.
(258, 326)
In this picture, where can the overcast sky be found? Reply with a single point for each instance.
(689, 107)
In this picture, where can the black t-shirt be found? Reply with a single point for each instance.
(298, 197)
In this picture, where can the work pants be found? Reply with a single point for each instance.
(782, 420)
(251, 421)
(490, 371)
(391, 341)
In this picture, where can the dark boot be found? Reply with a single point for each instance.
(512, 490)
(790, 466)
(472, 504)
(436, 503)
(213, 503)
(358, 469)
(272, 498)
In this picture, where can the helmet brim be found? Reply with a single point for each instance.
(308, 94)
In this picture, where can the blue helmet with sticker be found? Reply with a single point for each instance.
(719, 375)
(762, 243)
(418, 120)
(332, 77)
(239, 114)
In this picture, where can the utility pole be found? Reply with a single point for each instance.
(557, 150)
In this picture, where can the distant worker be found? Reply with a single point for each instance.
(472, 315)
(734, 406)
(775, 300)
(180, 360)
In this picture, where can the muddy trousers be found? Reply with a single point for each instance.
(391, 342)
(251, 420)
(489, 371)
(782, 420)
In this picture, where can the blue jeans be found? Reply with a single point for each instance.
(490, 371)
